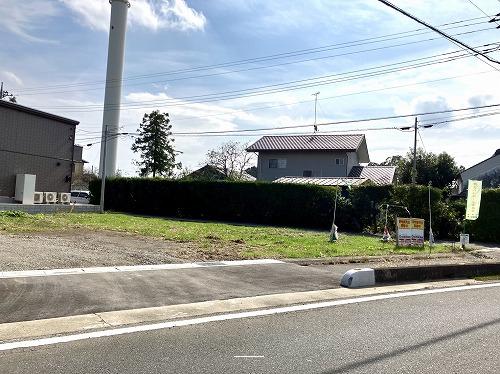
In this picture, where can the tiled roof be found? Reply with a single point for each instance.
(349, 142)
(323, 181)
(378, 174)
(217, 173)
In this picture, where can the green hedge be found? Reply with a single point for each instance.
(359, 209)
(250, 202)
(486, 227)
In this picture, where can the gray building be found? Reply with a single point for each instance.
(37, 143)
(309, 155)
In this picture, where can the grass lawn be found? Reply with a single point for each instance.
(252, 241)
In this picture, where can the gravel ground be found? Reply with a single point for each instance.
(86, 248)
(69, 249)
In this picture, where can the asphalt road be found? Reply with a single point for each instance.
(41, 297)
(456, 331)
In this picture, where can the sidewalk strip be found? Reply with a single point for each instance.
(95, 270)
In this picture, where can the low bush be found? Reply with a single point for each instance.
(360, 209)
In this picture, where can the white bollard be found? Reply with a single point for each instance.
(358, 278)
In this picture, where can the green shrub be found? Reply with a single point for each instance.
(486, 227)
(361, 208)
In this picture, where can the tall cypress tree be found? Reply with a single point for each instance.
(154, 144)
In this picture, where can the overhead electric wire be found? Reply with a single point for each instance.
(435, 121)
(265, 131)
(384, 38)
(251, 68)
(464, 118)
(449, 37)
(293, 85)
(372, 119)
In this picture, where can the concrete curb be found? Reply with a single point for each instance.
(461, 265)
(434, 272)
(373, 259)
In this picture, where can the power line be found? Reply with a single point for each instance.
(170, 80)
(372, 119)
(449, 37)
(293, 85)
(369, 41)
(247, 132)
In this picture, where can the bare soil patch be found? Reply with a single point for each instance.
(87, 248)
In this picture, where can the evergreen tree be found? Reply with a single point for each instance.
(440, 169)
(154, 144)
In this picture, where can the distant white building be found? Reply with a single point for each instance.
(487, 171)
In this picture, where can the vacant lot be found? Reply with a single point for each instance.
(89, 240)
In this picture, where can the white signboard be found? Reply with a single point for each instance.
(410, 231)
(464, 239)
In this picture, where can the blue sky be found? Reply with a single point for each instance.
(227, 65)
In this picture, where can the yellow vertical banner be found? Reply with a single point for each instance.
(473, 199)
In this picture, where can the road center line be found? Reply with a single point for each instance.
(230, 316)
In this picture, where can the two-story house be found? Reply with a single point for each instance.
(36, 143)
(318, 159)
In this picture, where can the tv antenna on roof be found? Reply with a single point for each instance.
(315, 105)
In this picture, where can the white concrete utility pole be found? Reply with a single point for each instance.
(113, 91)
(414, 170)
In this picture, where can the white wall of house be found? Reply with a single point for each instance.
(478, 172)
(352, 160)
(273, 165)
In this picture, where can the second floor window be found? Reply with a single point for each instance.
(339, 161)
(277, 163)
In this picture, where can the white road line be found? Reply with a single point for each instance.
(74, 271)
(230, 316)
(248, 356)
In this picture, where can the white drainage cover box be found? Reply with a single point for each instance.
(358, 278)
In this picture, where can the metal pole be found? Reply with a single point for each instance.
(414, 174)
(333, 235)
(386, 236)
(431, 236)
(103, 173)
(315, 103)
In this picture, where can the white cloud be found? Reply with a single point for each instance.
(150, 14)
(25, 17)
(12, 77)
(178, 15)
(93, 13)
